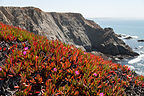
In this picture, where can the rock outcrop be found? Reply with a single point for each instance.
(141, 40)
(70, 28)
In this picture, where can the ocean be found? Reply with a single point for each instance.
(128, 27)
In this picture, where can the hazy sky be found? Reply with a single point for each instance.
(89, 8)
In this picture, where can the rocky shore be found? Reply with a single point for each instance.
(71, 28)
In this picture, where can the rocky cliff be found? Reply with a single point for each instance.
(70, 28)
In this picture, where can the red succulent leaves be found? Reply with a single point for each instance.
(74, 68)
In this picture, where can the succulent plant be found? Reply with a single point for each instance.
(50, 67)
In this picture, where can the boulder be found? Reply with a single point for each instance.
(141, 40)
(129, 37)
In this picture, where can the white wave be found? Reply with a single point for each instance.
(123, 35)
(126, 36)
(140, 72)
(140, 64)
(135, 37)
(136, 60)
(141, 52)
(140, 47)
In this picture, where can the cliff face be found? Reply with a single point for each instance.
(70, 28)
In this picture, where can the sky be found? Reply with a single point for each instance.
(88, 8)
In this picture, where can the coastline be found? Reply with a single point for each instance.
(136, 63)
(130, 31)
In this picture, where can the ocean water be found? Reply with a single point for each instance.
(128, 27)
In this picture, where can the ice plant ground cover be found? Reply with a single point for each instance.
(34, 65)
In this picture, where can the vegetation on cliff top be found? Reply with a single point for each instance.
(35, 65)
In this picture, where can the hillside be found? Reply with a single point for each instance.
(32, 65)
(70, 28)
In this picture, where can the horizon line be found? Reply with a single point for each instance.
(89, 17)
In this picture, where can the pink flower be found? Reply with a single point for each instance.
(24, 53)
(95, 74)
(76, 72)
(55, 69)
(0, 69)
(26, 48)
(101, 94)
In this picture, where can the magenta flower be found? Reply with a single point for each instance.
(0, 69)
(76, 72)
(95, 74)
(26, 48)
(101, 94)
(24, 53)
(55, 69)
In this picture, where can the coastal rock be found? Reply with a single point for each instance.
(71, 28)
(119, 35)
(129, 37)
(111, 44)
(141, 40)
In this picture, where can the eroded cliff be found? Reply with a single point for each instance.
(70, 28)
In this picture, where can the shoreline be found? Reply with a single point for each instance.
(136, 62)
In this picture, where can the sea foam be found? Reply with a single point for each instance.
(136, 60)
